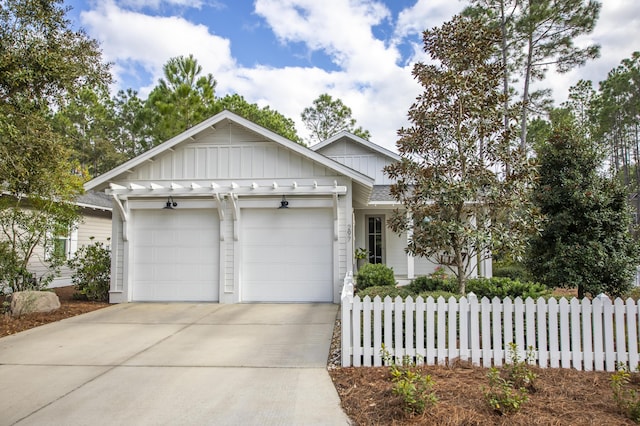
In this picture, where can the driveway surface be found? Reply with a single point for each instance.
(174, 364)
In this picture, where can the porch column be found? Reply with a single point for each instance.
(410, 259)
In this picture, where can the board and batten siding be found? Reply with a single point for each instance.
(360, 158)
(228, 153)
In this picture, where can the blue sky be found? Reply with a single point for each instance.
(285, 53)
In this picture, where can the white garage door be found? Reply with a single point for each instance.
(287, 255)
(176, 255)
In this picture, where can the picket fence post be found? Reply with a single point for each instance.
(582, 334)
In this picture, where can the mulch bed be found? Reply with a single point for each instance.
(561, 397)
(69, 307)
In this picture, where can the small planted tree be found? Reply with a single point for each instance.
(451, 178)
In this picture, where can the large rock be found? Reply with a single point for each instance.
(27, 302)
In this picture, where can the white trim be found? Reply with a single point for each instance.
(102, 180)
(93, 207)
(372, 146)
(213, 188)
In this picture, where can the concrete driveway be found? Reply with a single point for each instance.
(174, 364)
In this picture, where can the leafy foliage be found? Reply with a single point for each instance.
(430, 283)
(371, 274)
(626, 397)
(384, 291)
(585, 242)
(25, 226)
(265, 116)
(502, 287)
(328, 117)
(182, 98)
(91, 267)
(450, 177)
(509, 389)
(410, 383)
(43, 62)
(514, 271)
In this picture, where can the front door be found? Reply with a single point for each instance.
(375, 238)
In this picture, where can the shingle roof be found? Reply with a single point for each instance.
(381, 193)
(97, 199)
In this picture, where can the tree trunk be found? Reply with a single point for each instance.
(525, 95)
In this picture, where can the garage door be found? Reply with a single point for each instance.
(287, 255)
(176, 255)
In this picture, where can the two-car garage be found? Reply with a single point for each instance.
(285, 255)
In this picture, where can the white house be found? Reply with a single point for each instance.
(231, 212)
(94, 225)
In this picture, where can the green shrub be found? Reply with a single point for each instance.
(414, 387)
(515, 271)
(431, 283)
(625, 396)
(92, 270)
(374, 275)
(384, 291)
(504, 287)
(439, 293)
(634, 294)
(506, 395)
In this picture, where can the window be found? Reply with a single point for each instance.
(62, 247)
(375, 238)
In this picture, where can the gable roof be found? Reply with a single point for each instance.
(102, 181)
(357, 139)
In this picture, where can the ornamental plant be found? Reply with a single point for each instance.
(371, 274)
(92, 271)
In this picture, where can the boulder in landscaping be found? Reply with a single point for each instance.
(28, 302)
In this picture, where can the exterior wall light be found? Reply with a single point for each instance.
(284, 204)
(170, 203)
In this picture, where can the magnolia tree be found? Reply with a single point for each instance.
(460, 204)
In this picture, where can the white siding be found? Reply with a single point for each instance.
(360, 158)
(98, 227)
(213, 156)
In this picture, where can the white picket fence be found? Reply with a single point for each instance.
(582, 334)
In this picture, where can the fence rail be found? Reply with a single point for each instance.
(583, 334)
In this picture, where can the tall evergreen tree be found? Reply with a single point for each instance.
(182, 99)
(536, 35)
(328, 117)
(265, 116)
(585, 242)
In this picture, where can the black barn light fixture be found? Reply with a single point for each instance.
(284, 204)
(170, 203)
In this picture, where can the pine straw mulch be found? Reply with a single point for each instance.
(69, 307)
(561, 397)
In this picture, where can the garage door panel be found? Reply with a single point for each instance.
(287, 255)
(176, 255)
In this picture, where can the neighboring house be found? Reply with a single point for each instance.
(94, 226)
(231, 212)
(94, 223)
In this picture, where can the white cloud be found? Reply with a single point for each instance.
(368, 76)
(424, 15)
(156, 4)
(132, 38)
